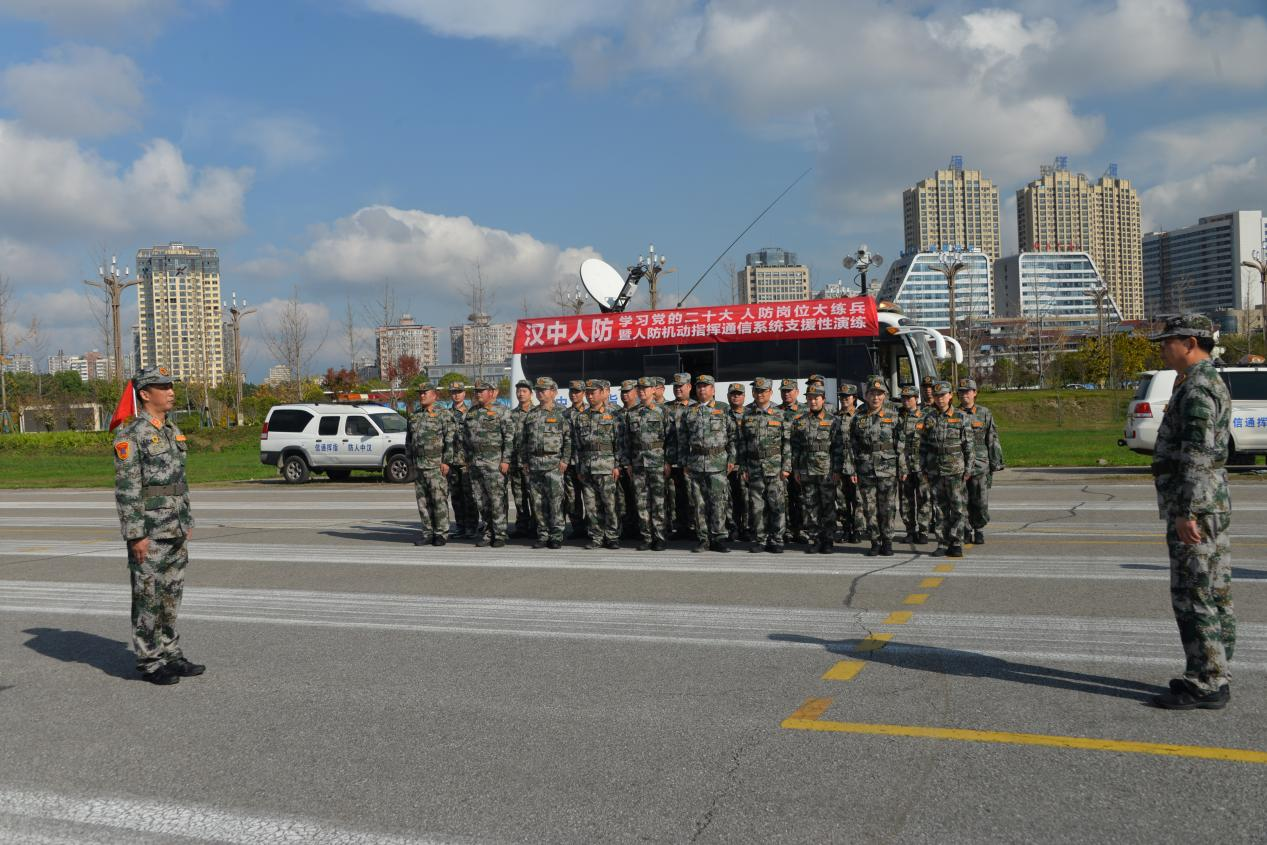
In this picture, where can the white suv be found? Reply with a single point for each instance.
(305, 438)
(1248, 386)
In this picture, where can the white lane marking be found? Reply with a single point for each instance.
(169, 819)
(950, 635)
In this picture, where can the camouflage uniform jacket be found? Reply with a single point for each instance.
(597, 441)
(432, 438)
(947, 445)
(544, 439)
(790, 412)
(517, 417)
(987, 453)
(912, 436)
(765, 442)
(1192, 446)
(645, 437)
(707, 437)
(489, 436)
(817, 443)
(876, 445)
(149, 480)
(459, 412)
(674, 444)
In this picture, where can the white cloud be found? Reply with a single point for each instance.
(518, 20)
(93, 17)
(282, 140)
(53, 190)
(436, 256)
(22, 263)
(76, 91)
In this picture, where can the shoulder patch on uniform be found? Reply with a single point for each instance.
(551, 419)
(180, 438)
(123, 448)
(154, 422)
(824, 423)
(776, 422)
(977, 423)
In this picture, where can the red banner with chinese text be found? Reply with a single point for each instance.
(849, 317)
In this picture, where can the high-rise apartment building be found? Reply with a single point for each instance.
(473, 343)
(1198, 267)
(770, 275)
(90, 366)
(178, 302)
(1063, 211)
(952, 208)
(19, 363)
(407, 338)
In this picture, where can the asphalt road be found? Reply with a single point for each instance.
(364, 690)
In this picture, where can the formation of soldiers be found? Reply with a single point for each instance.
(696, 468)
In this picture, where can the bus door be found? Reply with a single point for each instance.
(698, 360)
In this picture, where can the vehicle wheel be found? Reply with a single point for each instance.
(295, 469)
(1235, 458)
(398, 470)
(338, 474)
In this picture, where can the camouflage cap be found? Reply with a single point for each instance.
(523, 382)
(705, 379)
(814, 389)
(967, 384)
(598, 384)
(545, 383)
(577, 386)
(941, 388)
(847, 388)
(877, 384)
(646, 381)
(761, 383)
(457, 386)
(425, 385)
(484, 384)
(788, 384)
(1185, 325)
(628, 385)
(657, 381)
(812, 377)
(735, 387)
(151, 376)
(680, 379)
(910, 392)
(928, 381)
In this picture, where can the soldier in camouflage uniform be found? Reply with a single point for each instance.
(946, 453)
(915, 495)
(465, 513)
(153, 501)
(597, 451)
(853, 523)
(431, 442)
(987, 459)
(707, 437)
(489, 436)
(765, 457)
(817, 460)
(794, 530)
(678, 515)
(626, 497)
(926, 386)
(573, 495)
(737, 527)
(645, 464)
(1193, 499)
(545, 447)
(519, 483)
(875, 461)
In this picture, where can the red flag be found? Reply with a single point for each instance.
(126, 408)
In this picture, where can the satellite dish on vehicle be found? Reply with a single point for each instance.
(602, 282)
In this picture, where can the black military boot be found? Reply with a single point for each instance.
(422, 540)
(554, 544)
(700, 547)
(482, 542)
(539, 544)
(185, 669)
(1184, 696)
(978, 537)
(954, 551)
(657, 545)
(874, 550)
(611, 544)
(921, 538)
(886, 548)
(497, 544)
(774, 548)
(825, 547)
(940, 551)
(593, 544)
(439, 540)
(162, 676)
(719, 546)
(757, 547)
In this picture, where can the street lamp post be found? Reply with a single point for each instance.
(235, 324)
(950, 264)
(114, 286)
(1259, 263)
(653, 269)
(863, 259)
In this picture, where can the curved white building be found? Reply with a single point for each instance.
(917, 286)
(1063, 287)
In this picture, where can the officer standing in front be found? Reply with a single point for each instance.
(915, 496)
(875, 461)
(709, 455)
(545, 448)
(153, 502)
(490, 438)
(430, 443)
(1193, 499)
(518, 468)
(817, 458)
(987, 459)
(645, 465)
(946, 453)
(765, 456)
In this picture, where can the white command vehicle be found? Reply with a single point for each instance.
(1248, 387)
(307, 438)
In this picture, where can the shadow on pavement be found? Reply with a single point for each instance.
(388, 531)
(1238, 573)
(968, 664)
(110, 656)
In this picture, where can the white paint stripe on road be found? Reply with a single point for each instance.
(170, 820)
(949, 636)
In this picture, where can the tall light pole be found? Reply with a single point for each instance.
(235, 324)
(1259, 263)
(950, 264)
(114, 286)
(863, 259)
(653, 269)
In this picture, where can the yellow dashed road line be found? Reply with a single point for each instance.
(915, 598)
(899, 617)
(844, 670)
(931, 582)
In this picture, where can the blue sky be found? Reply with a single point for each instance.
(340, 145)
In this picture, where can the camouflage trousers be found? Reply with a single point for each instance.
(465, 514)
(599, 489)
(950, 500)
(678, 511)
(519, 491)
(627, 507)
(574, 500)
(978, 487)
(710, 501)
(737, 522)
(849, 507)
(546, 490)
(648, 485)
(916, 503)
(795, 522)
(431, 489)
(879, 506)
(767, 508)
(489, 487)
(818, 507)
(1201, 595)
(158, 582)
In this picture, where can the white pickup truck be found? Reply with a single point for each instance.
(307, 438)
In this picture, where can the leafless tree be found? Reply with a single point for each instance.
(10, 337)
(287, 339)
(567, 297)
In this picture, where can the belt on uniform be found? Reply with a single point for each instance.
(708, 450)
(178, 489)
